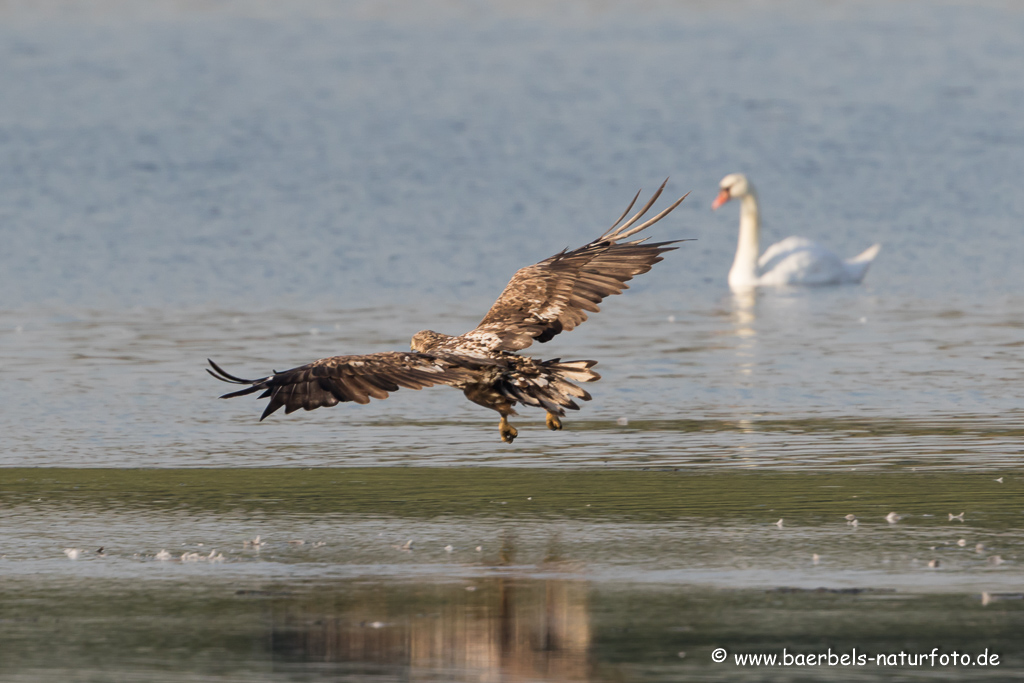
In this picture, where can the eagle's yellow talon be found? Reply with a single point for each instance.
(508, 432)
(554, 424)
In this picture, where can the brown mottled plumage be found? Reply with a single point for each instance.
(330, 381)
(539, 302)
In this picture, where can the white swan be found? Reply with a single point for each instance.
(793, 261)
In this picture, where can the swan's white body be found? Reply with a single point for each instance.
(793, 261)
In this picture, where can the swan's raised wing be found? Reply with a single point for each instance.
(329, 381)
(799, 261)
(556, 294)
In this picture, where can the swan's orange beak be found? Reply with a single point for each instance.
(722, 198)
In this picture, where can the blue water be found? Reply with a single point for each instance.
(250, 156)
(183, 183)
(266, 183)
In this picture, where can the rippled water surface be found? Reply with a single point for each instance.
(266, 184)
(501, 574)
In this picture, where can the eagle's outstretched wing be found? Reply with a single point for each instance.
(329, 381)
(555, 295)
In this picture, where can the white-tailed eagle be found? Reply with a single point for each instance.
(539, 302)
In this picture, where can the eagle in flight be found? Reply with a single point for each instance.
(539, 302)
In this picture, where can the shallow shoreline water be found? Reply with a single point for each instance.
(386, 574)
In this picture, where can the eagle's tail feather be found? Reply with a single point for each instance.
(549, 384)
(576, 370)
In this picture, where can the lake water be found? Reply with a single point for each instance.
(268, 184)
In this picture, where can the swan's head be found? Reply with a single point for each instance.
(733, 186)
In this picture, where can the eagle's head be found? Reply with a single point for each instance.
(425, 340)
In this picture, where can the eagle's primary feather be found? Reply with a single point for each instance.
(556, 294)
(330, 381)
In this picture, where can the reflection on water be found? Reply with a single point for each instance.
(489, 630)
(744, 317)
(511, 574)
(744, 320)
(522, 629)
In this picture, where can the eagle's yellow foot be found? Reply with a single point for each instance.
(554, 424)
(508, 432)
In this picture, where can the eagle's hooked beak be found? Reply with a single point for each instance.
(722, 198)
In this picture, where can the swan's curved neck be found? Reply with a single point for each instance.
(744, 266)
